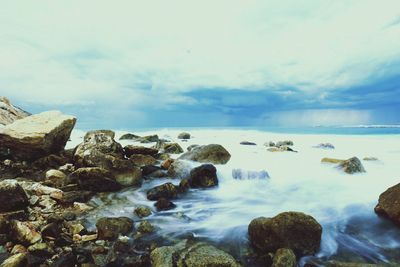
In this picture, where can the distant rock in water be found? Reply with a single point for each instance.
(370, 159)
(129, 136)
(184, 135)
(352, 165)
(36, 136)
(10, 113)
(293, 230)
(240, 174)
(247, 143)
(332, 160)
(325, 146)
(389, 204)
(213, 153)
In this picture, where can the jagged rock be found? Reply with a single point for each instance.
(129, 136)
(12, 196)
(164, 204)
(247, 143)
(132, 150)
(352, 165)
(111, 228)
(143, 211)
(24, 232)
(284, 257)
(10, 113)
(36, 136)
(96, 179)
(203, 176)
(184, 135)
(167, 190)
(389, 204)
(293, 230)
(213, 153)
(179, 169)
(142, 160)
(16, 260)
(149, 169)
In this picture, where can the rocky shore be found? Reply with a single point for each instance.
(45, 189)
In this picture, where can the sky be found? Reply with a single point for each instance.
(134, 64)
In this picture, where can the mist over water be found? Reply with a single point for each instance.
(343, 204)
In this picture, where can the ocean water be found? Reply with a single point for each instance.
(343, 204)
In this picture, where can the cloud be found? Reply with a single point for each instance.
(155, 56)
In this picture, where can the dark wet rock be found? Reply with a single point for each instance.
(179, 169)
(389, 204)
(16, 260)
(325, 146)
(247, 143)
(142, 160)
(203, 176)
(167, 190)
(352, 165)
(111, 228)
(52, 230)
(24, 232)
(145, 227)
(184, 135)
(41, 250)
(184, 186)
(76, 196)
(164, 204)
(129, 136)
(132, 150)
(148, 139)
(240, 174)
(10, 113)
(143, 211)
(293, 230)
(189, 148)
(284, 257)
(213, 153)
(12, 196)
(96, 179)
(172, 148)
(149, 169)
(36, 136)
(66, 259)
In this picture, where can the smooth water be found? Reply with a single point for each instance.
(342, 203)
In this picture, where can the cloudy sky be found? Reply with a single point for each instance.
(130, 64)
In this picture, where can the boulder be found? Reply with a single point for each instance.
(203, 176)
(12, 196)
(284, 257)
(16, 260)
(142, 160)
(164, 204)
(24, 232)
(179, 169)
(213, 153)
(145, 227)
(129, 136)
(247, 143)
(389, 204)
(96, 179)
(189, 148)
(10, 113)
(184, 135)
(352, 165)
(294, 230)
(143, 211)
(148, 139)
(36, 136)
(130, 177)
(131, 150)
(167, 190)
(111, 228)
(172, 148)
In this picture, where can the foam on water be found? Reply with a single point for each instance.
(342, 203)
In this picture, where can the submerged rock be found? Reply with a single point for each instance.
(213, 153)
(184, 135)
(167, 190)
(111, 228)
(12, 196)
(247, 143)
(129, 136)
(36, 136)
(281, 149)
(203, 176)
(389, 204)
(143, 211)
(164, 204)
(131, 150)
(293, 230)
(325, 146)
(96, 179)
(284, 257)
(10, 113)
(352, 165)
(149, 139)
(240, 174)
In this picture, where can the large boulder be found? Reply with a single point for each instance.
(167, 190)
(96, 179)
(213, 153)
(352, 165)
(294, 230)
(111, 228)
(389, 204)
(10, 113)
(203, 176)
(12, 196)
(142, 160)
(36, 136)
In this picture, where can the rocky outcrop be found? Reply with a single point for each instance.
(352, 165)
(294, 230)
(36, 136)
(111, 228)
(203, 176)
(213, 153)
(284, 257)
(10, 113)
(167, 190)
(389, 204)
(12, 196)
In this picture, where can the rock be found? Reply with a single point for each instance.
(325, 146)
(247, 143)
(41, 250)
(203, 176)
(24, 232)
(280, 149)
(352, 165)
(18, 249)
(111, 228)
(189, 148)
(332, 160)
(36, 136)
(184, 135)
(167, 163)
(76, 196)
(352, 264)
(213, 153)
(284, 143)
(179, 169)
(270, 143)
(240, 174)
(149, 139)
(370, 159)
(10, 113)
(96, 179)
(389, 204)
(294, 230)
(284, 257)
(164, 204)
(167, 190)
(129, 136)
(172, 148)
(132, 150)
(133, 177)
(149, 169)
(143, 211)
(142, 160)
(55, 174)
(16, 260)
(56, 178)
(145, 227)
(12, 196)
